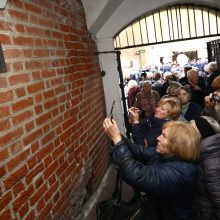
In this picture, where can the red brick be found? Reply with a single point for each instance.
(5, 39)
(22, 104)
(34, 147)
(3, 82)
(51, 169)
(19, 78)
(14, 162)
(41, 53)
(38, 194)
(22, 117)
(16, 147)
(12, 53)
(18, 15)
(22, 198)
(40, 205)
(5, 200)
(32, 137)
(38, 169)
(23, 41)
(51, 103)
(18, 188)
(2, 171)
(44, 118)
(34, 31)
(6, 96)
(45, 151)
(37, 87)
(4, 154)
(4, 125)
(20, 28)
(45, 214)
(32, 8)
(15, 177)
(29, 126)
(31, 215)
(30, 65)
(17, 66)
(27, 53)
(20, 92)
(22, 212)
(5, 215)
(4, 111)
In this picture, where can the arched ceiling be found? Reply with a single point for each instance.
(105, 18)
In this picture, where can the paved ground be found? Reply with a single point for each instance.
(104, 192)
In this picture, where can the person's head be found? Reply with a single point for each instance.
(167, 76)
(173, 88)
(211, 67)
(186, 69)
(168, 108)
(216, 83)
(205, 126)
(180, 139)
(157, 76)
(147, 86)
(184, 94)
(193, 76)
(132, 84)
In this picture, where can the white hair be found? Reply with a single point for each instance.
(213, 66)
(132, 83)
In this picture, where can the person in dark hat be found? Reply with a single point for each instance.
(207, 202)
(206, 126)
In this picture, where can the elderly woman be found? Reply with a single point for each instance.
(189, 110)
(172, 90)
(166, 173)
(146, 133)
(133, 90)
(146, 100)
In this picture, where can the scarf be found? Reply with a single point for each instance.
(148, 102)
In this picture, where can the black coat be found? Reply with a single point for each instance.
(168, 179)
(150, 129)
(207, 202)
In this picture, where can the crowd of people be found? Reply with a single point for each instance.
(173, 155)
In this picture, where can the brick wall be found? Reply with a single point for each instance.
(52, 146)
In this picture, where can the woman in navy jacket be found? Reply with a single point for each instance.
(170, 173)
(146, 133)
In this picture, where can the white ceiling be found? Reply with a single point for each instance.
(105, 18)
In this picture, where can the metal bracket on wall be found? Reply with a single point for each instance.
(3, 68)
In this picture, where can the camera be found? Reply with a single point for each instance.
(215, 98)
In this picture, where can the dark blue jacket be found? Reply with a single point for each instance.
(168, 179)
(149, 130)
(193, 111)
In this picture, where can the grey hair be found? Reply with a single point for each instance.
(213, 66)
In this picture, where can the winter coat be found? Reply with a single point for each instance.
(150, 129)
(207, 200)
(192, 112)
(169, 179)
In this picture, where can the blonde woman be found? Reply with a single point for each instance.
(146, 133)
(167, 173)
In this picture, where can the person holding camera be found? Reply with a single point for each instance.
(166, 173)
(212, 101)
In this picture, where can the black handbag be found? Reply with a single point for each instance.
(117, 209)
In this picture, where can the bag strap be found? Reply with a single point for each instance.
(118, 187)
